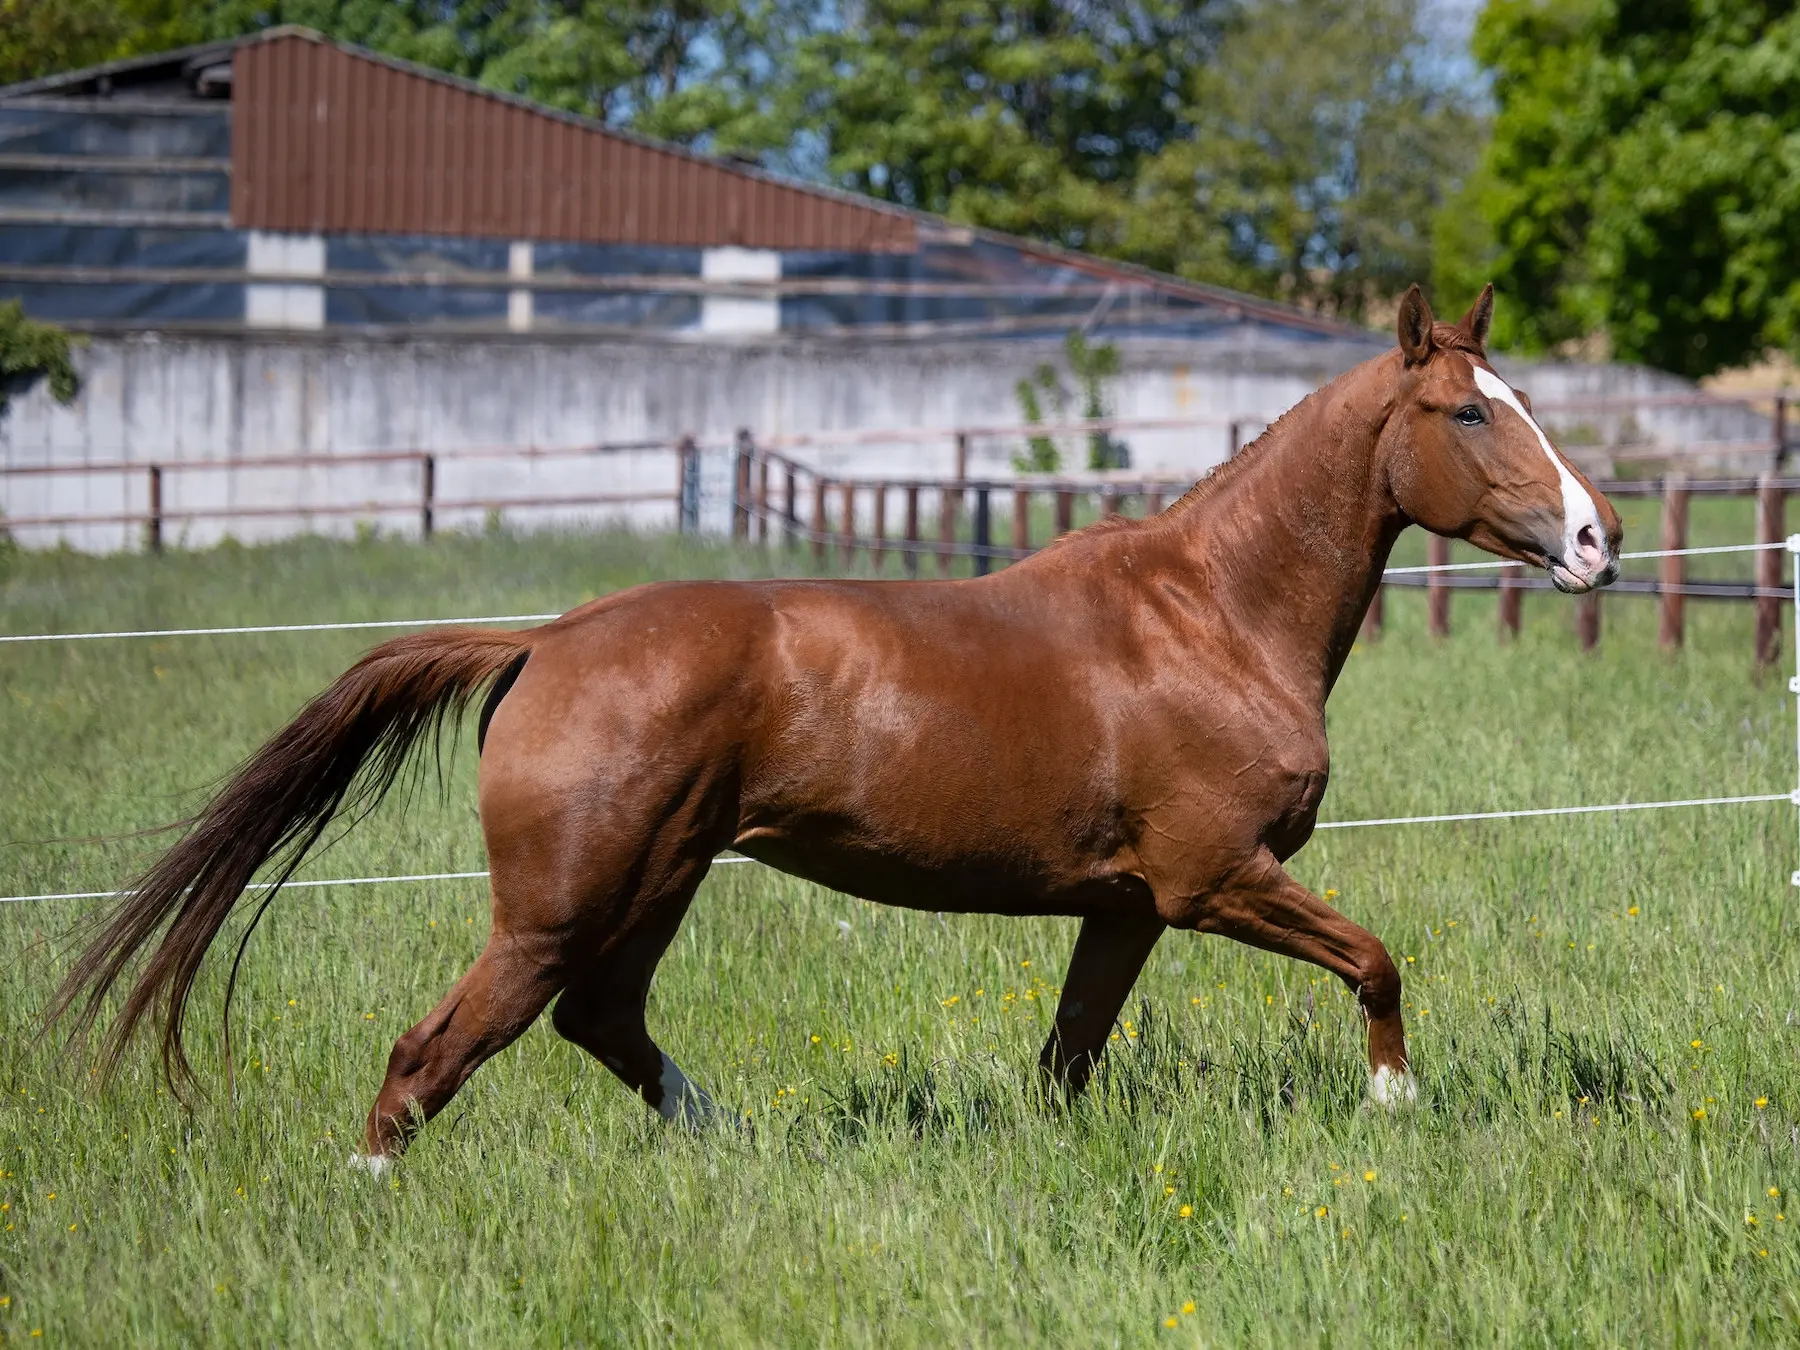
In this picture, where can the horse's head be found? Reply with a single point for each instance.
(1466, 458)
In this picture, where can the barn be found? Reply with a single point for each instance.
(288, 253)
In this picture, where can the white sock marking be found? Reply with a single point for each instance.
(1578, 507)
(373, 1164)
(681, 1100)
(1390, 1087)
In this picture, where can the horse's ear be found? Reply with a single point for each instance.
(1415, 325)
(1481, 314)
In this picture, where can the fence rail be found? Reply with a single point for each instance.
(777, 498)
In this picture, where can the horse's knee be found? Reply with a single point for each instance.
(1378, 983)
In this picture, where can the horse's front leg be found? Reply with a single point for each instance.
(1263, 906)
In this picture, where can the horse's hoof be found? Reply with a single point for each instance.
(375, 1164)
(1391, 1088)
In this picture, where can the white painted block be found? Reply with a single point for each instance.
(735, 314)
(274, 306)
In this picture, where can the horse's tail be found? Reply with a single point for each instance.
(276, 806)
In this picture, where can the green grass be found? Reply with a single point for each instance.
(898, 1184)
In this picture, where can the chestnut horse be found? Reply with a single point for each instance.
(1128, 727)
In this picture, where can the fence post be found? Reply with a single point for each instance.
(1152, 502)
(1437, 589)
(983, 529)
(1372, 617)
(427, 494)
(1771, 512)
(790, 512)
(687, 489)
(1512, 597)
(1671, 573)
(878, 535)
(818, 522)
(1780, 429)
(1587, 620)
(740, 485)
(962, 455)
(949, 504)
(847, 526)
(156, 509)
(1065, 510)
(911, 561)
(1021, 521)
(1109, 502)
(762, 499)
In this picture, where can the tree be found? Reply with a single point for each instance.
(38, 37)
(1320, 153)
(1643, 180)
(31, 351)
(1031, 116)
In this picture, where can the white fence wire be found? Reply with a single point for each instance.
(1791, 544)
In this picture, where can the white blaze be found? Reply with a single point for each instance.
(1578, 506)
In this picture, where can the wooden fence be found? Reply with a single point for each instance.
(777, 498)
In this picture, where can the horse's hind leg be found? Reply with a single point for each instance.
(484, 1012)
(602, 1009)
(1110, 951)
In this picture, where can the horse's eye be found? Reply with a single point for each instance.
(1470, 415)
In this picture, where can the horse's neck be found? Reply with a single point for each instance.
(1296, 538)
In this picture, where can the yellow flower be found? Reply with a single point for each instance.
(1774, 1192)
(1762, 1103)
(1186, 1211)
(1633, 911)
(1168, 1190)
(1171, 1321)
(1699, 1113)
(1188, 1307)
(1320, 1212)
(1331, 895)
(1749, 1219)
(1695, 1044)
(1369, 1175)
(815, 1040)
(293, 1003)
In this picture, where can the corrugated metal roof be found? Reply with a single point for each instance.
(329, 138)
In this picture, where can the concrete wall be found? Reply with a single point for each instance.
(237, 399)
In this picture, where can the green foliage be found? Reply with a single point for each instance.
(1041, 454)
(30, 351)
(1644, 177)
(1094, 366)
(38, 37)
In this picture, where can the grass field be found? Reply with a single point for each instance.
(1605, 1017)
